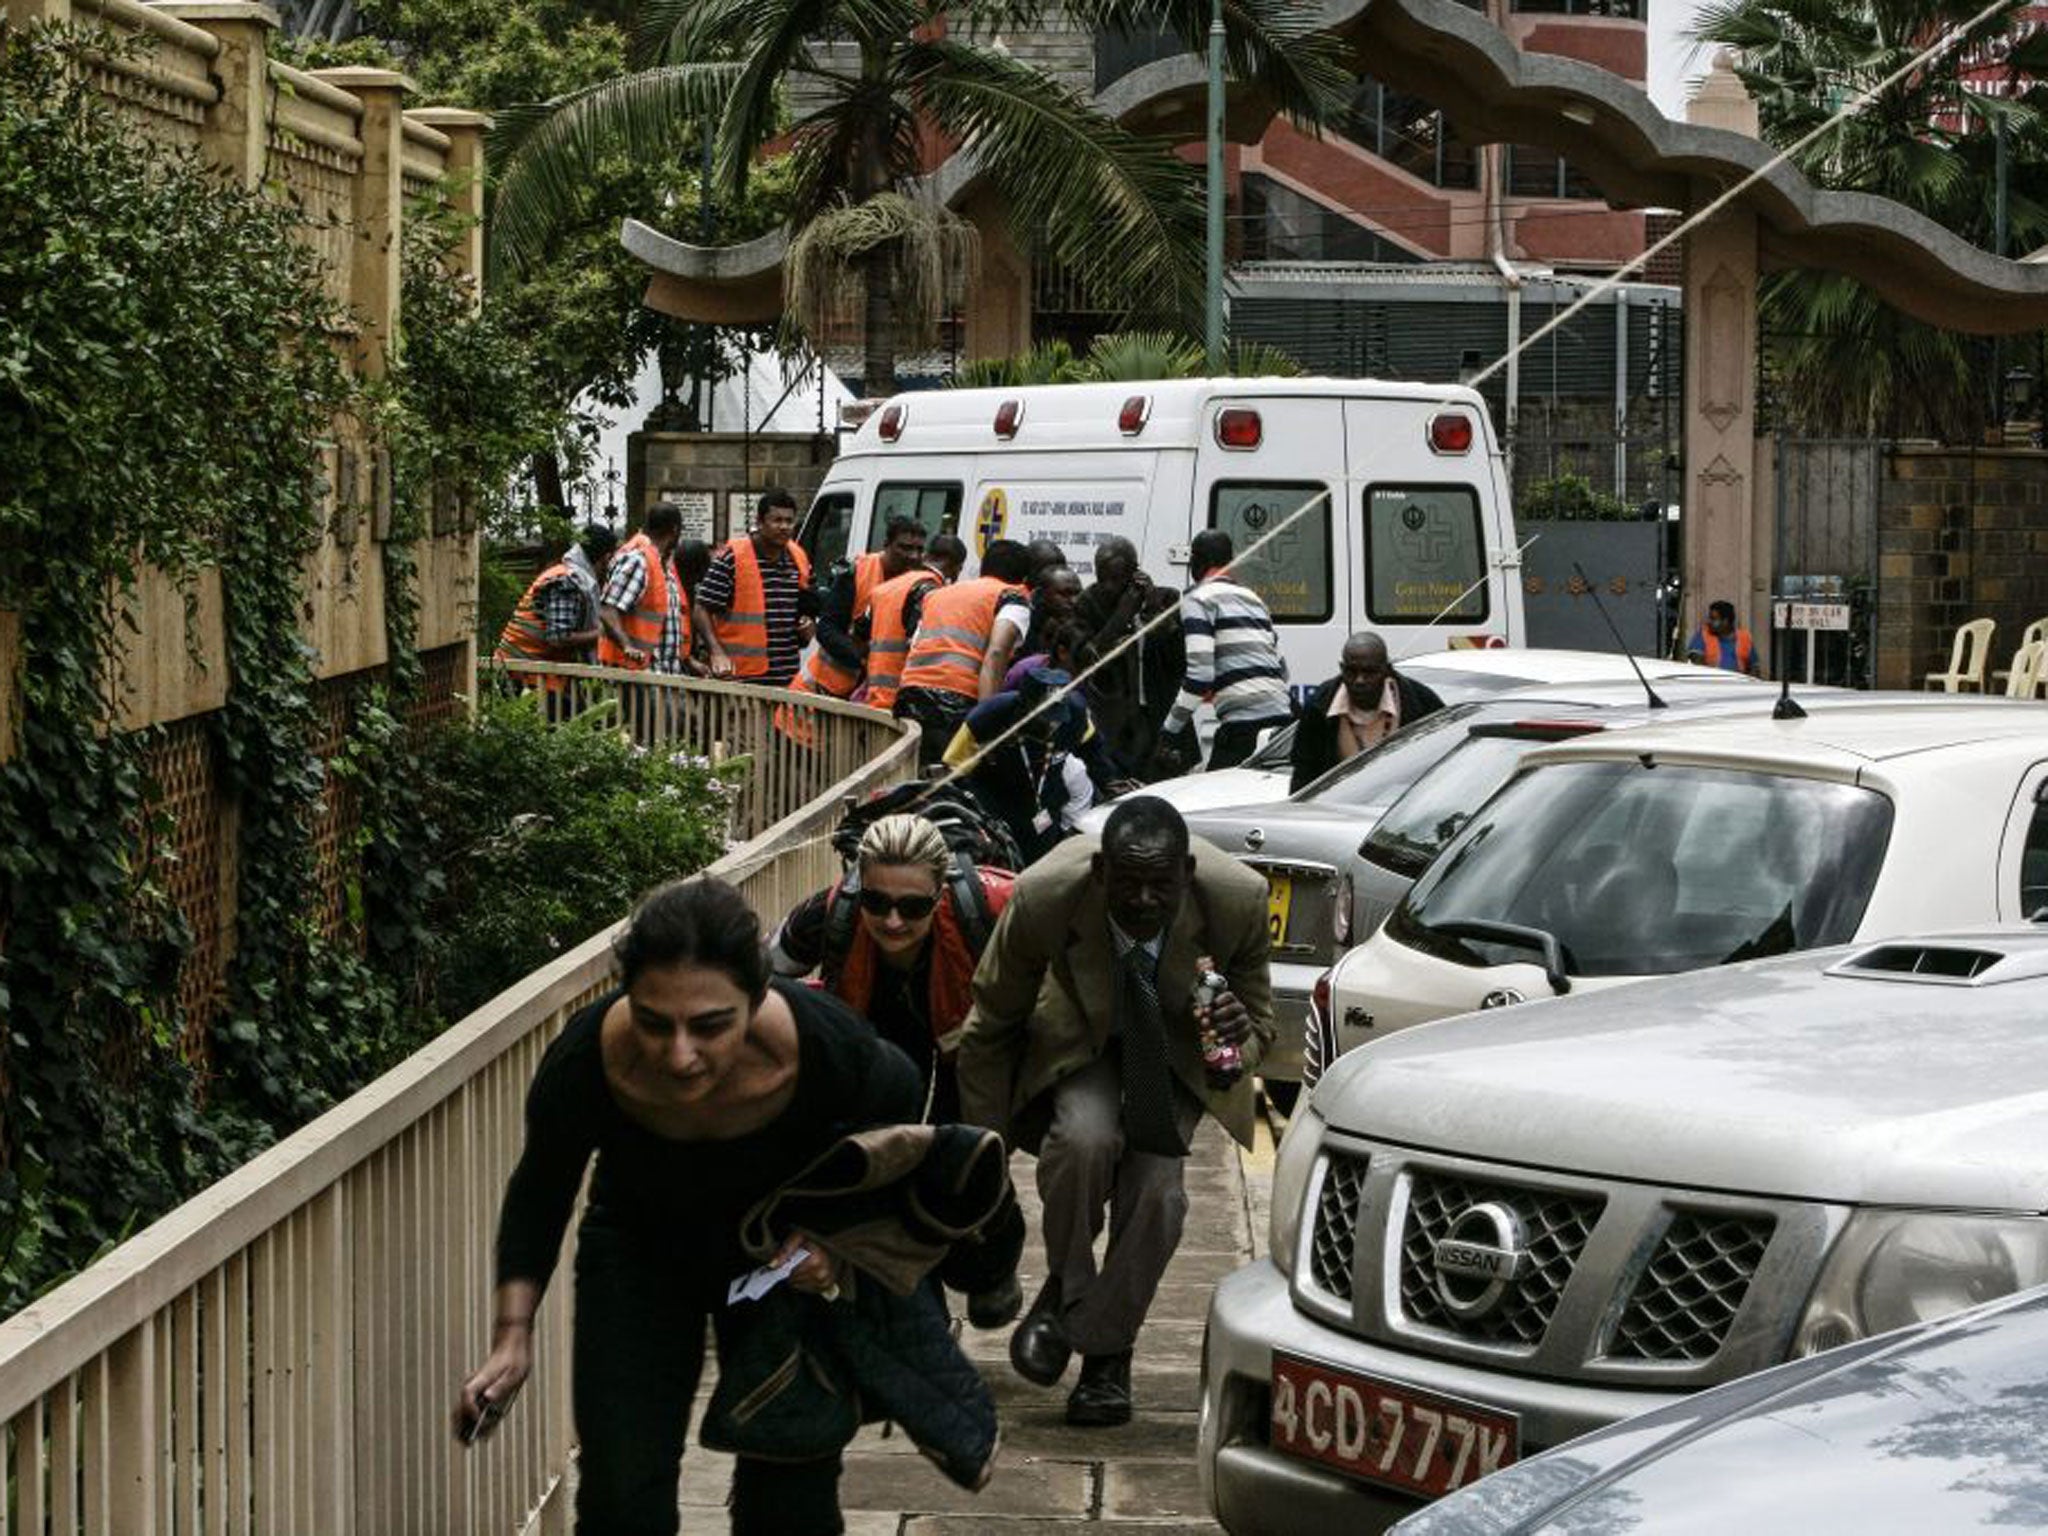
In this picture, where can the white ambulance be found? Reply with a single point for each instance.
(1408, 530)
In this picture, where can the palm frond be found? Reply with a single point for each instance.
(545, 153)
(1125, 356)
(681, 31)
(1050, 362)
(933, 255)
(1121, 212)
(1262, 360)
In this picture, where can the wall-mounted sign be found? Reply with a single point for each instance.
(700, 513)
(739, 512)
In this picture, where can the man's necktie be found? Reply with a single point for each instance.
(1150, 1121)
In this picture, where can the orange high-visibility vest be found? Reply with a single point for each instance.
(953, 636)
(820, 673)
(643, 623)
(743, 631)
(526, 633)
(889, 637)
(1743, 647)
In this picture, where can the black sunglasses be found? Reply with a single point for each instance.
(910, 908)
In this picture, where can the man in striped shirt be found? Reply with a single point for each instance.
(1234, 657)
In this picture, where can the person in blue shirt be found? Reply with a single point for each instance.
(1721, 642)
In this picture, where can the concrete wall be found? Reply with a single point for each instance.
(670, 465)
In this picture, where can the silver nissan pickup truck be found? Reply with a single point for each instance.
(1498, 1232)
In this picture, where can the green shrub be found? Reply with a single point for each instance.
(1571, 497)
(547, 834)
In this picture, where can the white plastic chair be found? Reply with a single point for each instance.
(2036, 632)
(1967, 659)
(2023, 677)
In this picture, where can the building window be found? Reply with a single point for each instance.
(1627, 10)
(1535, 172)
(1119, 53)
(1409, 133)
(1279, 224)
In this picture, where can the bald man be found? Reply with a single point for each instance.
(1366, 702)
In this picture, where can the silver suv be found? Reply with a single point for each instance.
(1498, 1232)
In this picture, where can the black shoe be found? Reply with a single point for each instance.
(1102, 1396)
(1039, 1348)
(997, 1305)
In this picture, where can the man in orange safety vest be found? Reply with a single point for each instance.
(750, 604)
(966, 636)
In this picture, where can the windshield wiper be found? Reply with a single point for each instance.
(1517, 936)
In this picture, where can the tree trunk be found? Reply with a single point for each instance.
(879, 325)
(547, 481)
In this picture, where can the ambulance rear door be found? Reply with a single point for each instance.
(1432, 543)
(1270, 473)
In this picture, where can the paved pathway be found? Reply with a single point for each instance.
(1053, 1478)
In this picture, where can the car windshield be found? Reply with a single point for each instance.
(1276, 754)
(1380, 775)
(1416, 827)
(1646, 870)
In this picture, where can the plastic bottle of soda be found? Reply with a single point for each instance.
(1221, 1060)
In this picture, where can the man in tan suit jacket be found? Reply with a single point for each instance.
(1083, 1047)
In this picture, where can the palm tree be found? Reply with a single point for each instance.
(1118, 210)
(1843, 360)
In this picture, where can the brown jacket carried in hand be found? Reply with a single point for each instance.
(1045, 991)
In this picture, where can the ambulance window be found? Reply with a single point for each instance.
(936, 506)
(1425, 555)
(1292, 571)
(825, 531)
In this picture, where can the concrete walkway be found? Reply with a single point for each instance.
(1052, 1478)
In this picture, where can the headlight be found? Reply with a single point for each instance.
(1340, 914)
(1892, 1268)
(1290, 1183)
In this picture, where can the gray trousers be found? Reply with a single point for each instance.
(1085, 1174)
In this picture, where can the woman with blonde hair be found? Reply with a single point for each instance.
(897, 938)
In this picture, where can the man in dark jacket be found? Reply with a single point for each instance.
(1366, 702)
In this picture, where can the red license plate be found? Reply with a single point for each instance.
(1385, 1432)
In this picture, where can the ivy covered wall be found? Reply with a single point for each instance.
(250, 412)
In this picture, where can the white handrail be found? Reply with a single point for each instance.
(280, 1353)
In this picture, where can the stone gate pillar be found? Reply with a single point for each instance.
(1723, 547)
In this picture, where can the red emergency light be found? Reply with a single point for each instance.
(1009, 417)
(1136, 412)
(1451, 433)
(1239, 428)
(893, 419)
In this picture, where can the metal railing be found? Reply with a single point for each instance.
(280, 1354)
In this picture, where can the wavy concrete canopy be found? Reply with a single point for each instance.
(1493, 92)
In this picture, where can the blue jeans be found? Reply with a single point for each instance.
(639, 1350)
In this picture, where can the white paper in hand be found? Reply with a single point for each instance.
(756, 1283)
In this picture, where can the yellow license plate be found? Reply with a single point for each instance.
(1279, 898)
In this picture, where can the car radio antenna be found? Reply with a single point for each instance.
(1787, 707)
(1629, 655)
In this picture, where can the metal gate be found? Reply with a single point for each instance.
(1828, 491)
(1566, 563)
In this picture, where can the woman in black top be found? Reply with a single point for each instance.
(701, 1087)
